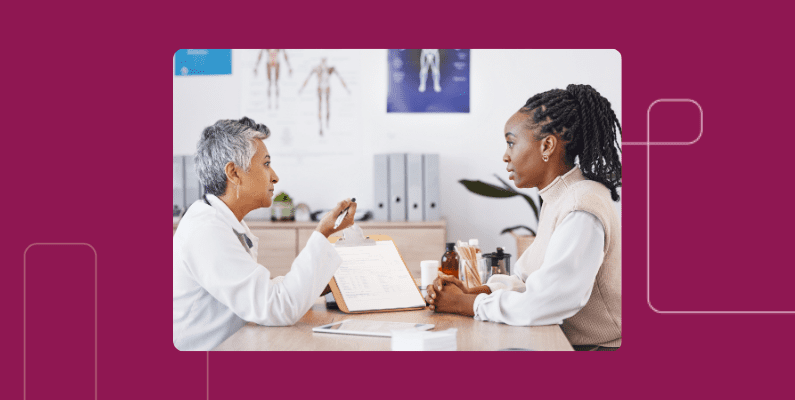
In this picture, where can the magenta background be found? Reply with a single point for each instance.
(86, 157)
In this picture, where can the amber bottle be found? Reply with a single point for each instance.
(450, 261)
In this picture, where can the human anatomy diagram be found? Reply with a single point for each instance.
(323, 72)
(272, 67)
(429, 59)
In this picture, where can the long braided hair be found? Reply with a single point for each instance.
(587, 123)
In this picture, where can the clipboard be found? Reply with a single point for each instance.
(353, 237)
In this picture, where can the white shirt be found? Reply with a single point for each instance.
(219, 287)
(557, 290)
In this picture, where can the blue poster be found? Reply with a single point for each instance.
(203, 62)
(428, 80)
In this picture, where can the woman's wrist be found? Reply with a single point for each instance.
(479, 289)
(326, 235)
(466, 304)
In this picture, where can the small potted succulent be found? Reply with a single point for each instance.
(282, 208)
(489, 190)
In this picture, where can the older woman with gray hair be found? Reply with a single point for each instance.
(218, 285)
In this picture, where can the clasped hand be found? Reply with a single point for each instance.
(445, 294)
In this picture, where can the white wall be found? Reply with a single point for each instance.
(470, 145)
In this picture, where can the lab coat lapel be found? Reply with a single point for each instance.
(239, 228)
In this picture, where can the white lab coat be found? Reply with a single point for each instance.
(219, 287)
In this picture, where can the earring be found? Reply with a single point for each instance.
(238, 191)
(546, 158)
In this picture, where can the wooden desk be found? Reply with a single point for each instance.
(472, 334)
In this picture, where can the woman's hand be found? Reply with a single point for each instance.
(326, 225)
(444, 279)
(446, 299)
(450, 295)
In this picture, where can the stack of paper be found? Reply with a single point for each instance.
(416, 340)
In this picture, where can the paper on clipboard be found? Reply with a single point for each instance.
(373, 277)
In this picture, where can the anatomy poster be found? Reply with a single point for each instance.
(428, 80)
(308, 98)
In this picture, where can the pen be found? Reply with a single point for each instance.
(343, 214)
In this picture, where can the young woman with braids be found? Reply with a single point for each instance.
(565, 143)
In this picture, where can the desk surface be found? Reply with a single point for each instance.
(472, 334)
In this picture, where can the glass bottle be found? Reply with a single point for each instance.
(450, 261)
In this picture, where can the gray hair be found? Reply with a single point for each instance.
(227, 140)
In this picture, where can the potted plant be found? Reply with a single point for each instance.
(282, 208)
(489, 190)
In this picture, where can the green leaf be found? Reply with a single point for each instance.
(526, 197)
(506, 230)
(507, 186)
(283, 197)
(487, 189)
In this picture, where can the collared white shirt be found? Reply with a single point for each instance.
(219, 287)
(557, 290)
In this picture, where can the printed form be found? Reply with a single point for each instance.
(375, 278)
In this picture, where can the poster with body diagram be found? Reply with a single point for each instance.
(307, 97)
(428, 81)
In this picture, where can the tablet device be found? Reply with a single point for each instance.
(368, 327)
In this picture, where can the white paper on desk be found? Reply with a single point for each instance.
(375, 278)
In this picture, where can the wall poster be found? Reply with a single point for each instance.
(189, 62)
(428, 80)
(308, 97)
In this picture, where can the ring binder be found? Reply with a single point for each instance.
(381, 187)
(414, 189)
(397, 187)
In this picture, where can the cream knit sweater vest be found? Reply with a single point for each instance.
(599, 322)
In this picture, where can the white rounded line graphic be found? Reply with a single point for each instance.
(648, 123)
(648, 144)
(25, 314)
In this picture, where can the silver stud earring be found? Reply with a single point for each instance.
(546, 158)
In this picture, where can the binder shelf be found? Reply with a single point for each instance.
(406, 187)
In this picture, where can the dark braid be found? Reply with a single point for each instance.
(586, 122)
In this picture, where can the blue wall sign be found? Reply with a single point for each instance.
(189, 62)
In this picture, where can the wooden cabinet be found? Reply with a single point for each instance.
(276, 250)
(280, 242)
